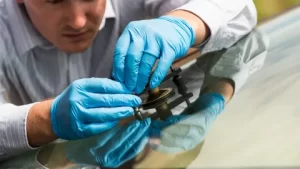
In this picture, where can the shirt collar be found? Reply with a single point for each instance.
(25, 36)
(109, 13)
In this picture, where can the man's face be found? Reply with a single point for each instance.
(71, 25)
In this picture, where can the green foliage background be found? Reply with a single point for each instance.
(269, 8)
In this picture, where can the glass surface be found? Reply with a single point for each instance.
(258, 129)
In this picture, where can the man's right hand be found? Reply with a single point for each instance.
(89, 107)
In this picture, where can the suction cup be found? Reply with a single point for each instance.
(155, 97)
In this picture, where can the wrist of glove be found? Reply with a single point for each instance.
(184, 132)
(185, 31)
(210, 103)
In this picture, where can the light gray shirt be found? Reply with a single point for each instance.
(32, 69)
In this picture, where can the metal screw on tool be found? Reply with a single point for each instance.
(138, 114)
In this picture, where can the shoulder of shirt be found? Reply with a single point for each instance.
(3, 32)
(5, 39)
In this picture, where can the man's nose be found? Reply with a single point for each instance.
(77, 18)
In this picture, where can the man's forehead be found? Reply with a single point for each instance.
(43, 1)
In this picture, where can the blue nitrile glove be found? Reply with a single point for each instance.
(78, 151)
(143, 42)
(117, 148)
(90, 106)
(184, 132)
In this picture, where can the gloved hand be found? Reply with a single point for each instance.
(184, 132)
(120, 146)
(142, 43)
(89, 107)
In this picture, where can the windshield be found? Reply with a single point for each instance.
(258, 128)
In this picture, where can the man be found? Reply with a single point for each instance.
(51, 48)
(178, 139)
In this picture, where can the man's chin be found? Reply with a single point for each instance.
(75, 48)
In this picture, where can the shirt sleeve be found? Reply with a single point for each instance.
(13, 134)
(238, 62)
(228, 20)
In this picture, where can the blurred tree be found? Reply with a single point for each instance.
(268, 8)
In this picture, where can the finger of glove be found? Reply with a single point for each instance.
(157, 127)
(141, 132)
(115, 160)
(147, 63)
(119, 56)
(99, 115)
(97, 128)
(94, 100)
(117, 141)
(105, 137)
(102, 85)
(159, 124)
(135, 149)
(110, 154)
(170, 143)
(156, 133)
(169, 121)
(162, 68)
(183, 133)
(125, 138)
(173, 126)
(212, 103)
(191, 130)
(132, 62)
(202, 120)
(169, 149)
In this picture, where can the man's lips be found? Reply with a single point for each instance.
(75, 35)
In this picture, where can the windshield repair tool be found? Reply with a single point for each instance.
(158, 98)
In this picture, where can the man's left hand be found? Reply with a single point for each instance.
(184, 132)
(142, 43)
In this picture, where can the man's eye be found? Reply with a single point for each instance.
(54, 1)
